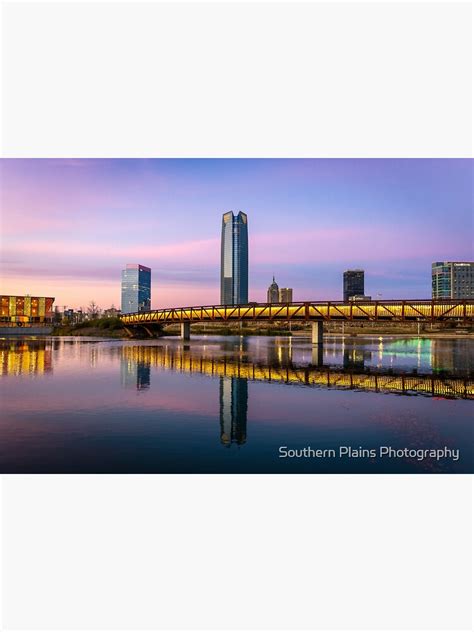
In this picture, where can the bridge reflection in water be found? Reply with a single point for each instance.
(436, 370)
(275, 365)
(280, 369)
(224, 404)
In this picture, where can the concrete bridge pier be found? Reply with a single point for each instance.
(317, 332)
(185, 331)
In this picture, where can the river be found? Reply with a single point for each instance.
(236, 405)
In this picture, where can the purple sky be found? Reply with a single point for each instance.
(70, 226)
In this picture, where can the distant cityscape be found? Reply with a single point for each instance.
(450, 280)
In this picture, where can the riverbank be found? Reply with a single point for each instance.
(97, 327)
(113, 328)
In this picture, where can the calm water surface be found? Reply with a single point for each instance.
(227, 404)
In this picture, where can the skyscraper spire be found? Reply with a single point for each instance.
(272, 292)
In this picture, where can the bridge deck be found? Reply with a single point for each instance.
(434, 310)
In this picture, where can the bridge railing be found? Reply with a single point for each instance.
(425, 310)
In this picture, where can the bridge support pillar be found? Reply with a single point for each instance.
(185, 331)
(317, 332)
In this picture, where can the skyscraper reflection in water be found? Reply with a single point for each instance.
(135, 374)
(233, 404)
(355, 357)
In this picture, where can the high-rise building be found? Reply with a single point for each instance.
(452, 279)
(273, 292)
(286, 295)
(353, 284)
(136, 288)
(234, 259)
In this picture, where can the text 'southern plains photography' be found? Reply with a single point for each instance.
(237, 316)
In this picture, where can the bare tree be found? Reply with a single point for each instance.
(93, 310)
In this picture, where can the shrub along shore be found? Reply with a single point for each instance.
(113, 328)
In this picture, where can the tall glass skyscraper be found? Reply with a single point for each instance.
(136, 288)
(234, 259)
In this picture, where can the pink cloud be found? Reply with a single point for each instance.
(292, 247)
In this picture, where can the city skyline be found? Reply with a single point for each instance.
(70, 226)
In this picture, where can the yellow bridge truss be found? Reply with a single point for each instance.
(434, 310)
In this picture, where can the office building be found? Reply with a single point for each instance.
(353, 284)
(234, 259)
(286, 295)
(273, 293)
(136, 288)
(452, 279)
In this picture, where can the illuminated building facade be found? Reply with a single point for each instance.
(25, 310)
(353, 284)
(452, 279)
(234, 259)
(136, 288)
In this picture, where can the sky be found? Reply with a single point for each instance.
(69, 226)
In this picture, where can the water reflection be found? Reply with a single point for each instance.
(449, 358)
(25, 357)
(135, 374)
(226, 404)
(355, 358)
(276, 366)
(233, 404)
(440, 368)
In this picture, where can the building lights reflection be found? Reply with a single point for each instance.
(356, 373)
(32, 357)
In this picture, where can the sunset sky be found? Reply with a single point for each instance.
(70, 226)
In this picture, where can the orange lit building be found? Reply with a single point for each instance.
(25, 310)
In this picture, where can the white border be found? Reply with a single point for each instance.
(395, 143)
